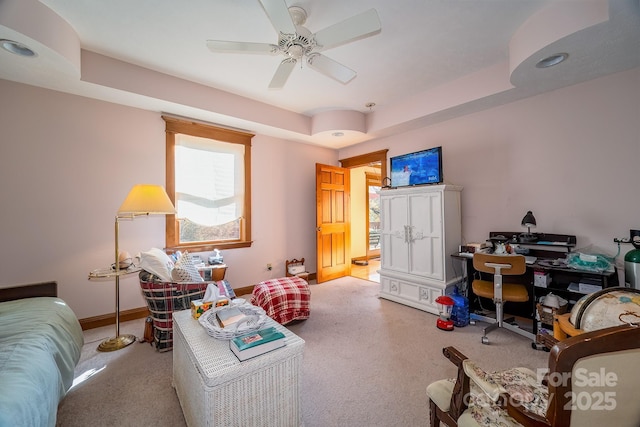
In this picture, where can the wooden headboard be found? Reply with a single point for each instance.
(29, 290)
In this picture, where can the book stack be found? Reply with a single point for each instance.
(256, 343)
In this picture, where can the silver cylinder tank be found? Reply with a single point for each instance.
(632, 274)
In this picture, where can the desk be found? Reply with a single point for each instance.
(561, 276)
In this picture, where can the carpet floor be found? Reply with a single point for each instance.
(367, 362)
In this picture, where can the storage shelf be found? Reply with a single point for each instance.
(544, 242)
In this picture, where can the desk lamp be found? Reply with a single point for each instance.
(528, 221)
(142, 200)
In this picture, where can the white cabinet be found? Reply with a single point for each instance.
(420, 228)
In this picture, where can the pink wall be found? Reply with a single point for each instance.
(66, 165)
(67, 162)
(571, 156)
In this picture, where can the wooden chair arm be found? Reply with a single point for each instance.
(459, 397)
(454, 355)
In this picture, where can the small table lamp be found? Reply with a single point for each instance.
(528, 221)
(142, 200)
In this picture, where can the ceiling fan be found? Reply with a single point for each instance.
(296, 42)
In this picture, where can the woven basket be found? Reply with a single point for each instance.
(256, 318)
(546, 313)
(163, 298)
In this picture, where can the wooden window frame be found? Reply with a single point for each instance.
(188, 127)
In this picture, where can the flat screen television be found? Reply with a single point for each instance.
(419, 168)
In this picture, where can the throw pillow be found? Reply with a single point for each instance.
(157, 262)
(185, 270)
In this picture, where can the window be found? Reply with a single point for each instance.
(209, 182)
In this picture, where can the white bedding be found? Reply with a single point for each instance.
(40, 344)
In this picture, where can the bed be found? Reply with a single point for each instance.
(40, 344)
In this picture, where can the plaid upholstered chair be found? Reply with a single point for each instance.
(163, 298)
(169, 285)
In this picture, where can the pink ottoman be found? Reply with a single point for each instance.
(284, 299)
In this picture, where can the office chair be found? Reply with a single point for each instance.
(500, 265)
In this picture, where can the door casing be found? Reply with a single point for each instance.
(328, 254)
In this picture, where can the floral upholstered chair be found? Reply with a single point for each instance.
(591, 381)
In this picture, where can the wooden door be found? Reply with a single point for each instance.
(333, 226)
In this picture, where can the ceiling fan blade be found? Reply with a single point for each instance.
(282, 73)
(357, 27)
(331, 68)
(241, 47)
(278, 14)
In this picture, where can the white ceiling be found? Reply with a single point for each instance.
(433, 59)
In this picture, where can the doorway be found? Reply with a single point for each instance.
(367, 172)
(373, 185)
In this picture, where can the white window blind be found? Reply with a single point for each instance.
(209, 181)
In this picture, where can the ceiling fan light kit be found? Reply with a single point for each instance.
(296, 42)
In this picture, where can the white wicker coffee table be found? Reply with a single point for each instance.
(216, 389)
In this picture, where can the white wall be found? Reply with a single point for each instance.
(283, 210)
(66, 165)
(67, 162)
(571, 156)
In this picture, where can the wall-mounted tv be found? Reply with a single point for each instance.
(419, 168)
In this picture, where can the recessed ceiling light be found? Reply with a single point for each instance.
(552, 60)
(16, 48)
(338, 134)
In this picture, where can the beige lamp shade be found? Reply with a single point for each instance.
(147, 199)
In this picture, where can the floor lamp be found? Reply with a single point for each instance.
(142, 200)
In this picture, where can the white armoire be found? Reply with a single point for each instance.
(420, 228)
